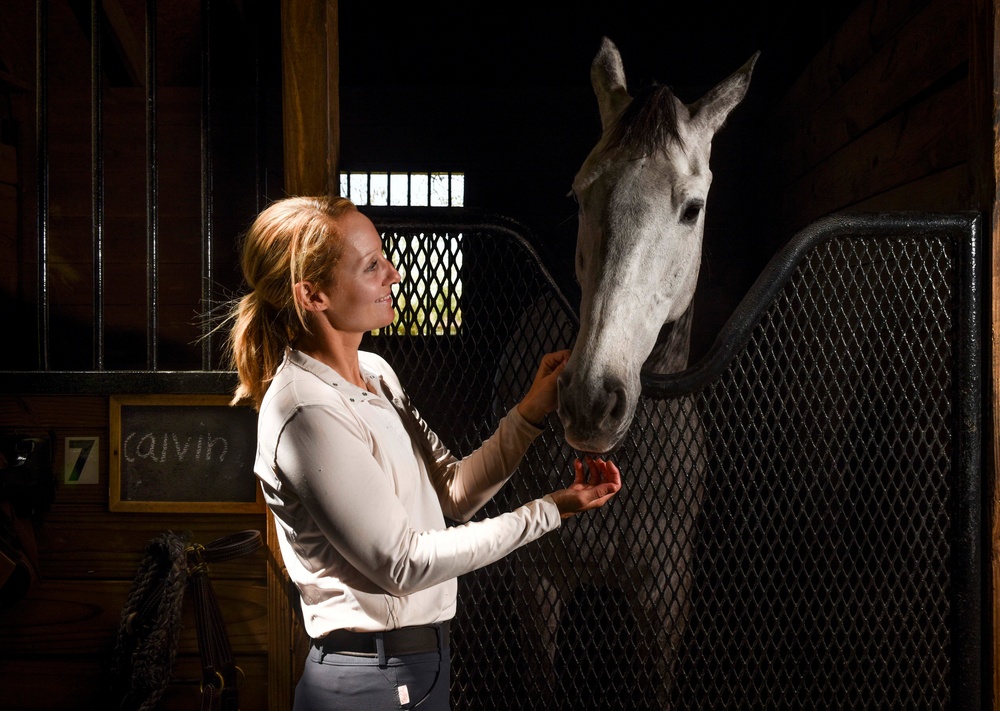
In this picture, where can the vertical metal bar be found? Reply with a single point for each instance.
(152, 258)
(42, 175)
(260, 164)
(206, 185)
(97, 181)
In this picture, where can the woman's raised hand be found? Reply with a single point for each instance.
(543, 395)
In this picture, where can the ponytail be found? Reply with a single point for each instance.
(292, 240)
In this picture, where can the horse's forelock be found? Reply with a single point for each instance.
(648, 123)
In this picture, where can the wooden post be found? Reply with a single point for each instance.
(310, 112)
(310, 88)
(984, 80)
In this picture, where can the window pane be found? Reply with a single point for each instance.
(379, 189)
(457, 189)
(399, 189)
(418, 189)
(359, 188)
(439, 190)
(343, 185)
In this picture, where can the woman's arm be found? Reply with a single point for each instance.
(324, 455)
(465, 485)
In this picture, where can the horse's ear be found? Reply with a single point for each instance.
(608, 78)
(711, 110)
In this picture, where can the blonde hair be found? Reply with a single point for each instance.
(292, 240)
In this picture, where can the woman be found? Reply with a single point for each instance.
(359, 486)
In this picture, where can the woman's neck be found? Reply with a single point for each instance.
(337, 350)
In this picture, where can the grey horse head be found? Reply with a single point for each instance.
(641, 193)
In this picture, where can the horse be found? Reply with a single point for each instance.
(641, 193)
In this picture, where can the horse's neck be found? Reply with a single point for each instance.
(673, 347)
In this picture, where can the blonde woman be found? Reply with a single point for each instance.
(359, 485)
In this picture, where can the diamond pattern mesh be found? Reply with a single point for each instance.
(782, 538)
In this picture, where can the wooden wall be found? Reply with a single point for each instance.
(882, 118)
(56, 643)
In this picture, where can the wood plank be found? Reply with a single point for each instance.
(8, 209)
(71, 617)
(984, 118)
(311, 133)
(926, 139)
(178, 192)
(289, 642)
(861, 35)
(947, 191)
(181, 143)
(309, 51)
(125, 107)
(89, 543)
(183, 692)
(125, 239)
(8, 164)
(39, 413)
(928, 48)
(83, 682)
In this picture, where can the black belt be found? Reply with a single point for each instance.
(404, 640)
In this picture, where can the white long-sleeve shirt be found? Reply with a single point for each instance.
(360, 487)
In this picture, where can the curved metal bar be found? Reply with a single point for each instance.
(472, 220)
(734, 334)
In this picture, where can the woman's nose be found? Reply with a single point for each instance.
(394, 277)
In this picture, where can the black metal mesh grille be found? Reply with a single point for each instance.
(783, 539)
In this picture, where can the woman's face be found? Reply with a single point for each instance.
(361, 289)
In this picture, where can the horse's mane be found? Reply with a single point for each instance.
(648, 123)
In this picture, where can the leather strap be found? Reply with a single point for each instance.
(220, 675)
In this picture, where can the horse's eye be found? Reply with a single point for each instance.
(691, 212)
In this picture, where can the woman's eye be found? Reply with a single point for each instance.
(371, 267)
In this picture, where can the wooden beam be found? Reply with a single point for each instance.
(984, 117)
(311, 116)
(310, 87)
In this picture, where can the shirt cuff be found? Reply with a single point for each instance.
(552, 516)
(522, 424)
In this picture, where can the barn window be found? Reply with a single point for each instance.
(440, 189)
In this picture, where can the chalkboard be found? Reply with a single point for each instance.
(185, 453)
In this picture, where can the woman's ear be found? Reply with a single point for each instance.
(309, 296)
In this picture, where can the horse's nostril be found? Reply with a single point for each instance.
(615, 388)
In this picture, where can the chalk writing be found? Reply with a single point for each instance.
(155, 447)
(172, 450)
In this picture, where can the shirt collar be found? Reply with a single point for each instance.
(331, 377)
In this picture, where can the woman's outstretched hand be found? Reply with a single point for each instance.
(593, 486)
(543, 395)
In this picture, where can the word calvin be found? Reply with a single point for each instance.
(158, 448)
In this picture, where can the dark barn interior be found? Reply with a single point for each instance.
(139, 138)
